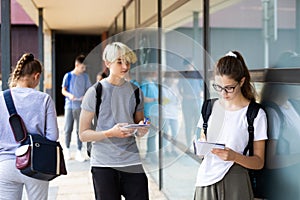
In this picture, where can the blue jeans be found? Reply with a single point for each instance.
(152, 135)
(72, 115)
(172, 125)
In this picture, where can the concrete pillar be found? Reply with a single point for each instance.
(41, 45)
(5, 42)
(206, 45)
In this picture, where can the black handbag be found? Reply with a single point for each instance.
(36, 157)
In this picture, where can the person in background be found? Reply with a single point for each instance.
(170, 112)
(116, 164)
(191, 88)
(40, 119)
(102, 74)
(223, 173)
(150, 90)
(74, 85)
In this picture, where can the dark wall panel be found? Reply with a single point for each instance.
(24, 39)
(67, 47)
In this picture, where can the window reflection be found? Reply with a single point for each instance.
(282, 104)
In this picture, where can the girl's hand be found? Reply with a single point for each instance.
(225, 154)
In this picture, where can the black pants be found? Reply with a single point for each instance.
(111, 183)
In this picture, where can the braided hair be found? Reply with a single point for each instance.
(27, 65)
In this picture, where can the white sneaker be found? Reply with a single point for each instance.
(67, 154)
(79, 157)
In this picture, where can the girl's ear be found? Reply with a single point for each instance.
(242, 81)
(37, 76)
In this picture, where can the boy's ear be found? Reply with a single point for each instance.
(107, 64)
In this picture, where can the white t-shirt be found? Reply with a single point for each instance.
(231, 129)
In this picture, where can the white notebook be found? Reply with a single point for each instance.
(202, 148)
(136, 125)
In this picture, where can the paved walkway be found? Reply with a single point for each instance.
(78, 183)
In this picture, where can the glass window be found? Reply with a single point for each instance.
(284, 52)
(282, 105)
(182, 80)
(252, 28)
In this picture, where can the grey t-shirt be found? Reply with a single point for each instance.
(117, 106)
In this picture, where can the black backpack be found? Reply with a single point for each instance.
(257, 181)
(98, 88)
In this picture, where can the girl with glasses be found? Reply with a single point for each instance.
(223, 173)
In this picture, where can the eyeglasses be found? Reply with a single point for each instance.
(227, 89)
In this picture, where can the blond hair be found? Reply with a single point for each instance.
(118, 50)
(27, 65)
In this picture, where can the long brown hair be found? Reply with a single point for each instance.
(234, 66)
(27, 65)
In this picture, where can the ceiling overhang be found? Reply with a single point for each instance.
(90, 17)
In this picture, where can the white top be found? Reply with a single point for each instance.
(231, 129)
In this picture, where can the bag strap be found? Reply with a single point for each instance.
(16, 123)
(251, 114)
(206, 112)
(9, 102)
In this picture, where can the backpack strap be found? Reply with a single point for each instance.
(206, 112)
(69, 76)
(98, 88)
(137, 98)
(251, 114)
